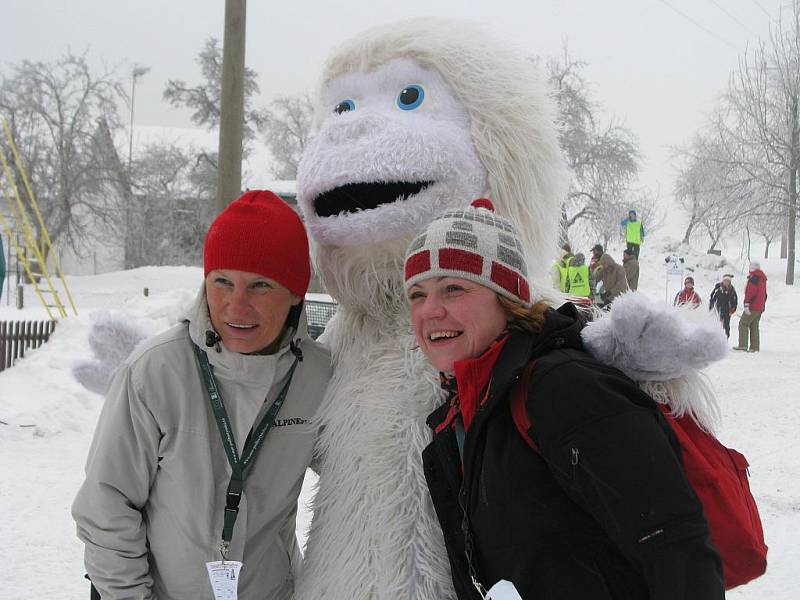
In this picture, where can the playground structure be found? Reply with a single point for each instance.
(24, 227)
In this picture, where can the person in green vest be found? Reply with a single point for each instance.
(634, 232)
(2, 267)
(560, 270)
(578, 277)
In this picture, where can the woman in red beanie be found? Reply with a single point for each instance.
(206, 433)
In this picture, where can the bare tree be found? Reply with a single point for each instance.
(715, 191)
(761, 128)
(287, 128)
(204, 98)
(603, 156)
(768, 223)
(61, 115)
(173, 193)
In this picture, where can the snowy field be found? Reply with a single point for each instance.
(49, 418)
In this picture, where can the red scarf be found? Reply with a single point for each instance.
(472, 377)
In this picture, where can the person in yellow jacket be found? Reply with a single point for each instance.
(634, 232)
(560, 271)
(578, 277)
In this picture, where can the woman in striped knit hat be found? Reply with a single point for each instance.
(553, 476)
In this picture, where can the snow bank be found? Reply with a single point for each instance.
(51, 417)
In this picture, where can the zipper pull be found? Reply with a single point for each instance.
(574, 457)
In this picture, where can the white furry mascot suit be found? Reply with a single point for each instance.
(414, 118)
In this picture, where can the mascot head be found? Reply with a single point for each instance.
(414, 118)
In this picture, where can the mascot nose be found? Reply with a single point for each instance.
(349, 128)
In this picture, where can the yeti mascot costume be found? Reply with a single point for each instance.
(413, 118)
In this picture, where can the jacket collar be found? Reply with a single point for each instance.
(561, 330)
(472, 376)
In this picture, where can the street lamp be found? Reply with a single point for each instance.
(138, 71)
(130, 259)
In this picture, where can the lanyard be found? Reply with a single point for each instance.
(253, 443)
(469, 542)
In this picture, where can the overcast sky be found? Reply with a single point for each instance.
(657, 65)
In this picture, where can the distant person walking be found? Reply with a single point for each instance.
(724, 300)
(687, 295)
(612, 276)
(634, 232)
(578, 277)
(755, 299)
(631, 265)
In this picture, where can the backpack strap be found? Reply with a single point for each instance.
(519, 400)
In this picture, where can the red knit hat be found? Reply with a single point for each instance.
(260, 233)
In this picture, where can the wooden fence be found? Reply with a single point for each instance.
(18, 336)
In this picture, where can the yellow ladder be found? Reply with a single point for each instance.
(48, 294)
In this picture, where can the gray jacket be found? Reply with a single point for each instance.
(613, 277)
(150, 510)
(631, 266)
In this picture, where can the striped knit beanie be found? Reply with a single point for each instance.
(471, 243)
(260, 233)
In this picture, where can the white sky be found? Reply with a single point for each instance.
(655, 69)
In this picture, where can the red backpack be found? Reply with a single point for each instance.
(719, 478)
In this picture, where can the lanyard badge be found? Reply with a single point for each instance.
(503, 590)
(224, 578)
(240, 466)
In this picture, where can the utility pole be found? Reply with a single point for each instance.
(127, 178)
(231, 121)
(136, 73)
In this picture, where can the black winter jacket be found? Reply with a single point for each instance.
(723, 299)
(602, 511)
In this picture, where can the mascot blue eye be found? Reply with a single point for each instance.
(344, 106)
(411, 97)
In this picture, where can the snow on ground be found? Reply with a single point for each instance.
(50, 418)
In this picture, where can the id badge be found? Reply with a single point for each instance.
(224, 577)
(503, 590)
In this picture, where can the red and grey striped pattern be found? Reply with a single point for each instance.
(471, 243)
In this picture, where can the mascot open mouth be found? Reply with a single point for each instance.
(355, 197)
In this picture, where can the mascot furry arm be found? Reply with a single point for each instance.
(415, 118)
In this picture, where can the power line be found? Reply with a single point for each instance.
(699, 25)
(733, 18)
(758, 4)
